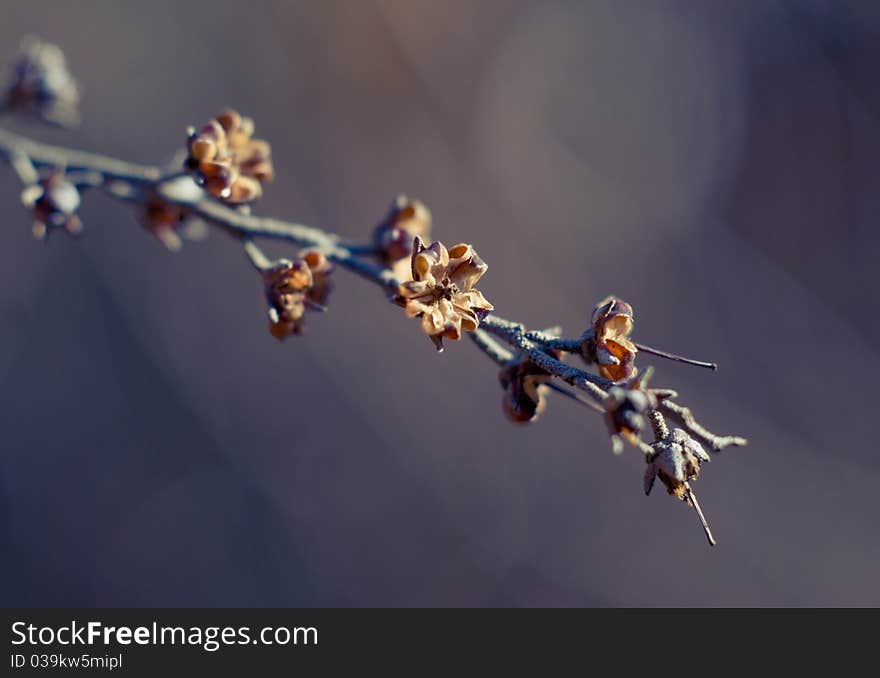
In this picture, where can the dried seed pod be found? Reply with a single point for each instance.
(394, 235)
(676, 461)
(442, 291)
(41, 84)
(53, 201)
(167, 220)
(525, 396)
(610, 346)
(625, 413)
(292, 287)
(225, 159)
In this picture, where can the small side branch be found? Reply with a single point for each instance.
(685, 418)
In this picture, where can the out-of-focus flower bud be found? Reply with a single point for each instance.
(166, 220)
(625, 413)
(53, 202)
(41, 84)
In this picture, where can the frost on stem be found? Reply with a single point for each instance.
(226, 171)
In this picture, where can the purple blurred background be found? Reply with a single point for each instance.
(716, 164)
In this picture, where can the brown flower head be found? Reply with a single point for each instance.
(610, 346)
(524, 391)
(442, 292)
(53, 201)
(41, 84)
(625, 411)
(395, 234)
(227, 161)
(676, 460)
(167, 220)
(294, 286)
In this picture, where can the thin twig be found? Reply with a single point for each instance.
(257, 257)
(685, 417)
(501, 339)
(692, 500)
(676, 358)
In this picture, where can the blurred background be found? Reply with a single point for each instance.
(714, 163)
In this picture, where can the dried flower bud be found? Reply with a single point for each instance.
(524, 391)
(53, 202)
(610, 346)
(224, 158)
(167, 220)
(625, 412)
(442, 292)
(394, 235)
(676, 460)
(41, 84)
(294, 286)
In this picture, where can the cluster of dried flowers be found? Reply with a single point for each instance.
(434, 284)
(225, 158)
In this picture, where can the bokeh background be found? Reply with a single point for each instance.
(714, 163)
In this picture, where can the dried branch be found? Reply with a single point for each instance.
(221, 173)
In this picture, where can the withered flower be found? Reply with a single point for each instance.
(625, 412)
(41, 84)
(227, 161)
(442, 292)
(394, 235)
(53, 201)
(165, 219)
(524, 396)
(610, 346)
(294, 286)
(676, 460)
